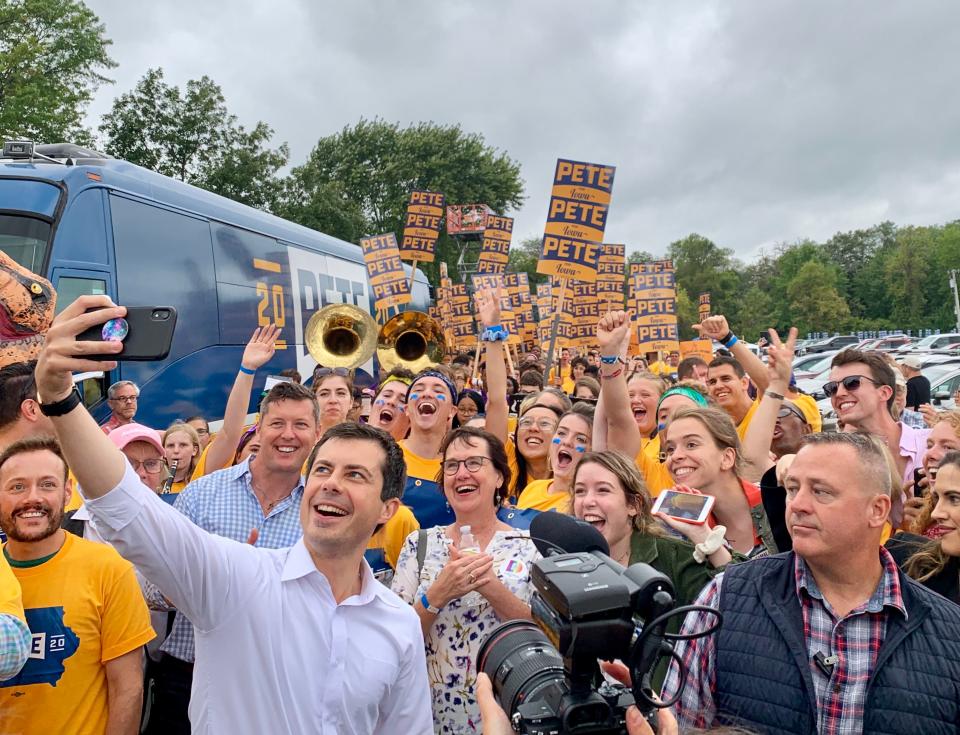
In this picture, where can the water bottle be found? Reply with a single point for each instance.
(468, 544)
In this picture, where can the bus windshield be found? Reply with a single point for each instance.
(26, 240)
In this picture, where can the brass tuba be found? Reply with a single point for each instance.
(341, 335)
(412, 340)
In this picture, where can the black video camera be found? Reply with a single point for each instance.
(586, 607)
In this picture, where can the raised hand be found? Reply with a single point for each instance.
(714, 327)
(487, 301)
(780, 358)
(613, 333)
(261, 347)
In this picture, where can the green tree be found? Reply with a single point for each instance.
(523, 259)
(377, 164)
(687, 314)
(815, 303)
(758, 313)
(701, 265)
(52, 57)
(908, 272)
(193, 137)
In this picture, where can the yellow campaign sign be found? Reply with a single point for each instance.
(385, 271)
(421, 226)
(495, 247)
(702, 348)
(703, 306)
(576, 220)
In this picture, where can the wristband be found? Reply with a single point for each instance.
(611, 375)
(729, 340)
(427, 606)
(712, 543)
(611, 360)
(245, 371)
(494, 334)
(772, 394)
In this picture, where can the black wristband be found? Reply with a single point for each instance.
(63, 406)
(724, 340)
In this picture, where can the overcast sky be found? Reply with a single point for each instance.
(751, 123)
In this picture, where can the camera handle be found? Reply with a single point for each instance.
(646, 654)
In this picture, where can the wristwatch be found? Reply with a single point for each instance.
(712, 543)
(61, 407)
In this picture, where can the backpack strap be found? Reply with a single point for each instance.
(421, 550)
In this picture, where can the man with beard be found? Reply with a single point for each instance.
(82, 602)
(431, 405)
(388, 409)
(284, 636)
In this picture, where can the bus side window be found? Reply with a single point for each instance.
(69, 289)
(92, 387)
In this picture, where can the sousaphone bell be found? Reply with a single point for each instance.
(412, 340)
(341, 335)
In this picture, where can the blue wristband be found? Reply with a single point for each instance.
(609, 360)
(731, 342)
(494, 334)
(427, 606)
(247, 372)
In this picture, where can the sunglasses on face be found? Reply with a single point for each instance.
(850, 383)
(790, 411)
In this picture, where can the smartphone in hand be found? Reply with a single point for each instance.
(146, 333)
(684, 506)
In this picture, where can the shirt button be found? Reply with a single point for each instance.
(418, 483)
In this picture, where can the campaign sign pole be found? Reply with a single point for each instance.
(553, 332)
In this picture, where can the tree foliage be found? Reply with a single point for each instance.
(52, 57)
(369, 170)
(192, 136)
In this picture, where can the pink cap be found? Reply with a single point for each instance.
(123, 435)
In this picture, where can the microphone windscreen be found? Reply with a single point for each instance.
(550, 530)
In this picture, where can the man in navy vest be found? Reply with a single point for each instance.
(831, 637)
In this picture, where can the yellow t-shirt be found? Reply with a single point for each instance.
(84, 608)
(810, 410)
(11, 600)
(566, 384)
(745, 424)
(536, 495)
(654, 471)
(511, 450)
(75, 499)
(662, 368)
(201, 469)
(390, 538)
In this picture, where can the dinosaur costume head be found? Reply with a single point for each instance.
(26, 309)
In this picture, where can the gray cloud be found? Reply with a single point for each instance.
(750, 122)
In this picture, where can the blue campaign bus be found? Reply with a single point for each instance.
(93, 225)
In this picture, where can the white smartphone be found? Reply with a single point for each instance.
(684, 506)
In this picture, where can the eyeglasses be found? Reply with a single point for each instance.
(125, 399)
(545, 425)
(202, 432)
(473, 464)
(150, 465)
(849, 383)
(324, 372)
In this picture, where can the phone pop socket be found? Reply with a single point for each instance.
(115, 330)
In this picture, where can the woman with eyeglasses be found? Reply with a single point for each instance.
(333, 388)
(202, 427)
(181, 448)
(469, 404)
(465, 578)
(573, 437)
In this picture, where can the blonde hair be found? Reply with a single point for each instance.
(659, 382)
(631, 482)
(924, 520)
(720, 427)
(194, 438)
(931, 559)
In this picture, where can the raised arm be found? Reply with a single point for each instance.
(258, 352)
(198, 572)
(613, 336)
(717, 329)
(756, 444)
(488, 311)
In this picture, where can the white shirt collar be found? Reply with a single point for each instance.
(299, 564)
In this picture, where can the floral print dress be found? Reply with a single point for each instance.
(461, 627)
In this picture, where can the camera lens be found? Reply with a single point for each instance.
(520, 661)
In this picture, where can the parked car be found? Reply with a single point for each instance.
(933, 342)
(892, 343)
(834, 343)
(814, 368)
(943, 389)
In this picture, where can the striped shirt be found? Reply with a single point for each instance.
(14, 645)
(224, 504)
(854, 640)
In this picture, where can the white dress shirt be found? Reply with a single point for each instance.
(275, 652)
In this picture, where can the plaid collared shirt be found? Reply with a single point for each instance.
(15, 641)
(224, 503)
(854, 640)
